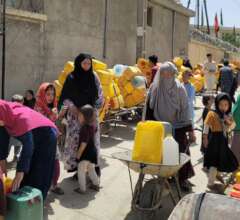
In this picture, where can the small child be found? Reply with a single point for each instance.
(187, 74)
(207, 101)
(46, 104)
(218, 156)
(87, 152)
(13, 141)
(29, 99)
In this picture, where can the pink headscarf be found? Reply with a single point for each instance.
(19, 119)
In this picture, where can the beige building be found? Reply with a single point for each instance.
(42, 35)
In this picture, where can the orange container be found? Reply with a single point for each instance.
(7, 183)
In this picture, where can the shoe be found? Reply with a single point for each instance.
(190, 183)
(78, 190)
(75, 177)
(211, 187)
(94, 187)
(58, 191)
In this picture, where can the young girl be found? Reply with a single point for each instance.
(87, 152)
(207, 101)
(218, 156)
(47, 105)
(29, 99)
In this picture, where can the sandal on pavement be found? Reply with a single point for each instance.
(78, 190)
(58, 191)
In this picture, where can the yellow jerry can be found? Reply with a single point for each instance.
(130, 72)
(62, 77)
(68, 67)
(58, 88)
(116, 89)
(108, 91)
(106, 77)
(98, 65)
(148, 143)
(129, 87)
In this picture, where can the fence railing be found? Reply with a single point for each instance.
(205, 38)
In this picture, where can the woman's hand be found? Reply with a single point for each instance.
(79, 154)
(3, 166)
(63, 112)
(55, 111)
(74, 110)
(17, 181)
(192, 137)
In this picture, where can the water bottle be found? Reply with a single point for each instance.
(170, 152)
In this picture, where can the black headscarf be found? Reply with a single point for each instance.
(220, 97)
(80, 86)
(30, 103)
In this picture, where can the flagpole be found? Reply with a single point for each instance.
(206, 13)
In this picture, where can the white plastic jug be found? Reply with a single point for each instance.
(170, 151)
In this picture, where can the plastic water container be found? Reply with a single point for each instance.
(168, 129)
(148, 142)
(170, 152)
(138, 81)
(7, 182)
(119, 69)
(238, 177)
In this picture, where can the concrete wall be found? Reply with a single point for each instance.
(37, 52)
(37, 49)
(24, 68)
(159, 36)
(168, 36)
(78, 26)
(198, 50)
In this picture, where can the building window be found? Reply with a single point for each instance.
(150, 16)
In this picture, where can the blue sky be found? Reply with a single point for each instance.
(231, 11)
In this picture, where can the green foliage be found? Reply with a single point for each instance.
(232, 38)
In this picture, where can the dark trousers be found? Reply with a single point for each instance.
(180, 136)
(43, 159)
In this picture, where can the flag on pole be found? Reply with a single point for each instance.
(221, 18)
(216, 25)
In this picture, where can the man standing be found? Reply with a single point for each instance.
(210, 69)
(226, 77)
(153, 60)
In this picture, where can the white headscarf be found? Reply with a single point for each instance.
(168, 98)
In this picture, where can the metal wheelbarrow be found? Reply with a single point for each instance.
(159, 176)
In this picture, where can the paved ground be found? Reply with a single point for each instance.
(114, 199)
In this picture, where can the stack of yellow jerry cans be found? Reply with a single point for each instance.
(197, 79)
(111, 92)
(68, 68)
(145, 68)
(132, 85)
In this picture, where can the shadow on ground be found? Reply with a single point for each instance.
(71, 199)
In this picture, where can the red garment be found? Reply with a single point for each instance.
(19, 119)
(42, 105)
(154, 72)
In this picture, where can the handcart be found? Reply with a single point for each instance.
(159, 175)
(115, 117)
